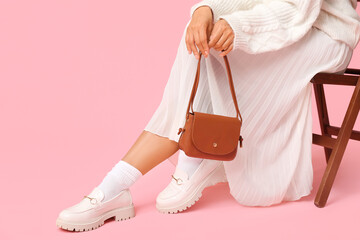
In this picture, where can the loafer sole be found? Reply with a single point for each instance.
(119, 214)
(216, 176)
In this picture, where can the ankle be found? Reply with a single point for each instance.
(122, 176)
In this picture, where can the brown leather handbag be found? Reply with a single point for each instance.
(211, 136)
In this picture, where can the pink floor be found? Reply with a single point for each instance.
(35, 192)
(78, 82)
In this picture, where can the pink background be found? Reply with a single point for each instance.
(78, 82)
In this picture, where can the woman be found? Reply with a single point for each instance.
(274, 48)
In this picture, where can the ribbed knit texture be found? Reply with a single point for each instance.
(268, 25)
(121, 177)
(274, 94)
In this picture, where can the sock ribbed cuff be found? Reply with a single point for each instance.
(121, 177)
(124, 168)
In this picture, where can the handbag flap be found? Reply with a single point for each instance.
(215, 134)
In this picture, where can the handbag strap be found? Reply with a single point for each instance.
(196, 83)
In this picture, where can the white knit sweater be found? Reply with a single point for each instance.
(268, 25)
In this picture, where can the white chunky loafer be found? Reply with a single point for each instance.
(182, 192)
(91, 212)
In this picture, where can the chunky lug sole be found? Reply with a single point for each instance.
(119, 214)
(216, 176)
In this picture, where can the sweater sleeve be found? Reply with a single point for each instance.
(220, 7)
(269, 25)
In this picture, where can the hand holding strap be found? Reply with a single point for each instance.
(196, 83)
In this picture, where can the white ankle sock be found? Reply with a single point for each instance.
(188, 164)
(121, 177)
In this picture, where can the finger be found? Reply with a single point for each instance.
(226, 44)
(187, 42)
(203, 40)
(192, 45)
(219, 44)
(223, 42)
(198, 43)
(208, 31)
(227, 50)
(215, 36)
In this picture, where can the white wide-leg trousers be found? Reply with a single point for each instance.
(274, 96)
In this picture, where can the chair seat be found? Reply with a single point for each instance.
(350, 77)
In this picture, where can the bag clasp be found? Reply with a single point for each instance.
(241, 140)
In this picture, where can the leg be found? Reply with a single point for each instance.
(149, 150)
(159, 140)
(191, 175)
(156, 143)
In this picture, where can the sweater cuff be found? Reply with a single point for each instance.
(241, 40)
(214, 6)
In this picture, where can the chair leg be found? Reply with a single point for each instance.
(339, 148)
(323, 115)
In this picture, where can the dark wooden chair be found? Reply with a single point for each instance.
(335, 147)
